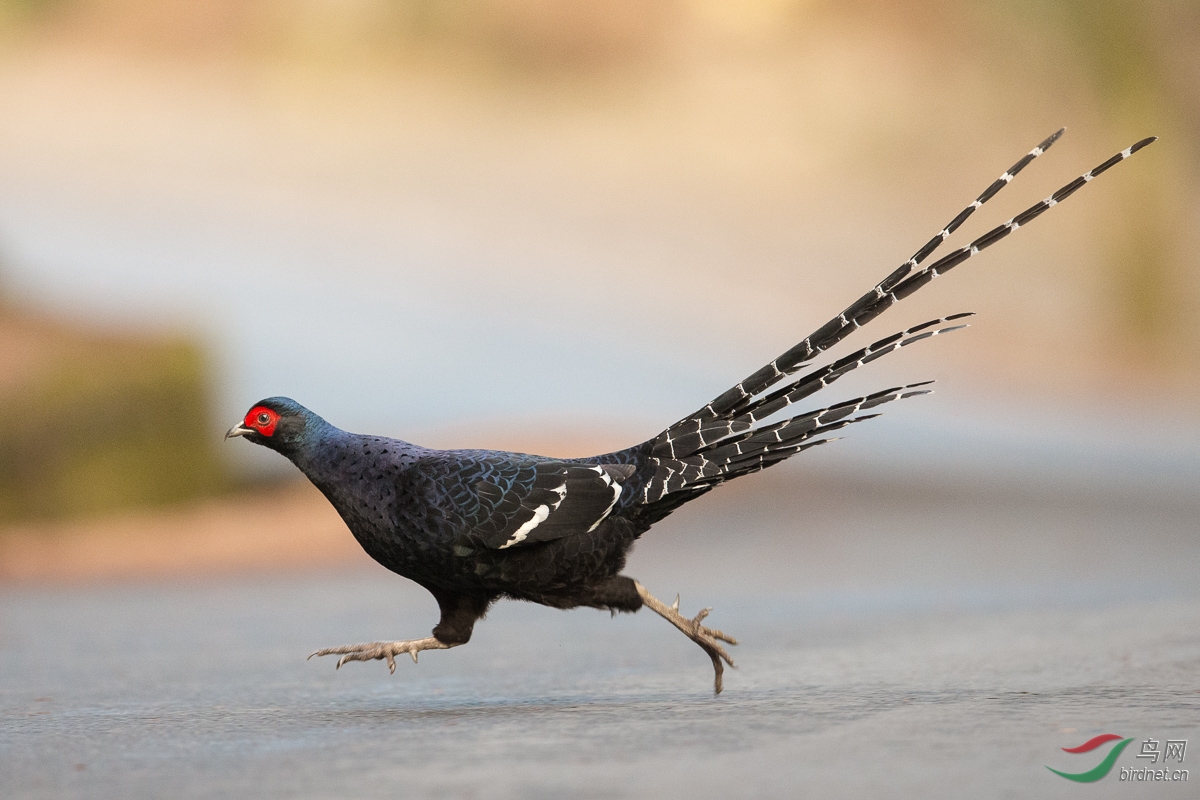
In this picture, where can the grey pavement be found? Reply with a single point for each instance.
(901, 640)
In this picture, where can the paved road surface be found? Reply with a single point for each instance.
(939, 643)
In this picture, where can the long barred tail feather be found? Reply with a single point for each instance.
(730, 457)
(853, 316)
(987, 194)
(805, 425)
(818, 379)
(951, 260)
(688, 436)
(770, 458)
(720, 441)
(900, 284)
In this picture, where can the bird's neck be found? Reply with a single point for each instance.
(355, 472)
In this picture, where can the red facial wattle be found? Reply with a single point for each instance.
(262, 420)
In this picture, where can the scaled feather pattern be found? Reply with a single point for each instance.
(475, 526)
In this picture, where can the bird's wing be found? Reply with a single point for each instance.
(508, 500)
(554, 500)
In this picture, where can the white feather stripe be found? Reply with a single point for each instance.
(616, 490)
(539, 516)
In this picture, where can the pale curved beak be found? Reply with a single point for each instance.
(238, 430)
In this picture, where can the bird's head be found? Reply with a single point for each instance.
(279, 423)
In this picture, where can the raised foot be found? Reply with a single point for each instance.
(706, 637)
(373, 651)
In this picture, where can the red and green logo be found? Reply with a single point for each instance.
(1101, 769)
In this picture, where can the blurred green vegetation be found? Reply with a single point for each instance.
(1129, 65)
(1136, 57)
(96, 422)
(19, 12)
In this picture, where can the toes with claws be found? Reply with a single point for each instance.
(707, 638)
(387, 651)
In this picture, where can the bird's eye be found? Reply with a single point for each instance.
(263, 418)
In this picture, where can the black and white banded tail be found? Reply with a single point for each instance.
(727, 438)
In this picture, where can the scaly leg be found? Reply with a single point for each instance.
(372, 651)
(705, 637)
(459, 613)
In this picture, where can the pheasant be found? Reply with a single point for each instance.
(475, 526)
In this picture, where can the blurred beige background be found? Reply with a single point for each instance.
(556, 226)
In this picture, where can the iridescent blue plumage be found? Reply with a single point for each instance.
(472, 526)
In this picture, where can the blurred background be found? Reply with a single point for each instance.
(556, 226)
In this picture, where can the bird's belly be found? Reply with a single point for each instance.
(548, 567)
(578, 560)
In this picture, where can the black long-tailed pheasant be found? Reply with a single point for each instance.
(474, 526)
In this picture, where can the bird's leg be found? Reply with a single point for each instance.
(388, 651)
(706, 637)
(459, 613)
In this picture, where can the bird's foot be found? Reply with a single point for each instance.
(706, 637)
(373, 651)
